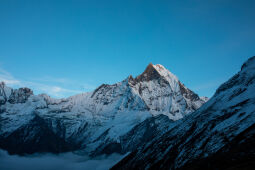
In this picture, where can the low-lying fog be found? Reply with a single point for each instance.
(66, 161)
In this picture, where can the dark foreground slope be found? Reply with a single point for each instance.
(220, 135)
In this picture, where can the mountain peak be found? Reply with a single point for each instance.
(156, 72)
(150, 73)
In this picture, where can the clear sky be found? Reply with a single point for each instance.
(67, 47)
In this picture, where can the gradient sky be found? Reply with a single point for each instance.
(67, 47)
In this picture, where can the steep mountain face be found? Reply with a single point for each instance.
(219, 135)
(163, 93)
(97, 122)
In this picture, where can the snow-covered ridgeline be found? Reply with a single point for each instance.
(91, 119)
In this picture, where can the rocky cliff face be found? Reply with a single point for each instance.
(219, 135)
(97, 122)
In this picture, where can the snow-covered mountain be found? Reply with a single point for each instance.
(219, 135)
(96, 122)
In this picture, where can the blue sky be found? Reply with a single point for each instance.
(67, 47)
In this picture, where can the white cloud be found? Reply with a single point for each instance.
(59, 91)
(54, 87)
(54, 91)
(9, 81)
(8, 78)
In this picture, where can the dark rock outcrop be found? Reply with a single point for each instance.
(20, 95)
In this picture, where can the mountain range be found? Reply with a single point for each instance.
(154, 117)
(100, 122)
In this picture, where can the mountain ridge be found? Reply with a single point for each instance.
(219, 135)
(99, 118)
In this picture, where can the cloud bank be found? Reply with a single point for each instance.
(67, 161)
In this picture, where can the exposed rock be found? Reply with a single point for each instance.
(20, 95)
